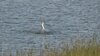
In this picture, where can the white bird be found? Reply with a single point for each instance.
(42, 26)
(43, 29)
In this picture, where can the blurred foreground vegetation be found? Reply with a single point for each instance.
(91, 47)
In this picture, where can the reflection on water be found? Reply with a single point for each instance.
(20, 24)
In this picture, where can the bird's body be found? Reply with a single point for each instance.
(42, 26)
(43, 29)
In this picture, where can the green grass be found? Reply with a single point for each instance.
(90, 47)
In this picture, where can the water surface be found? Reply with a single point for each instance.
(65, 19)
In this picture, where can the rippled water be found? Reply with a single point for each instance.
(65, 19)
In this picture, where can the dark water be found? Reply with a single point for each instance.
(65, 19)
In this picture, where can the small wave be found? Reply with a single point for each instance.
(46, 33)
